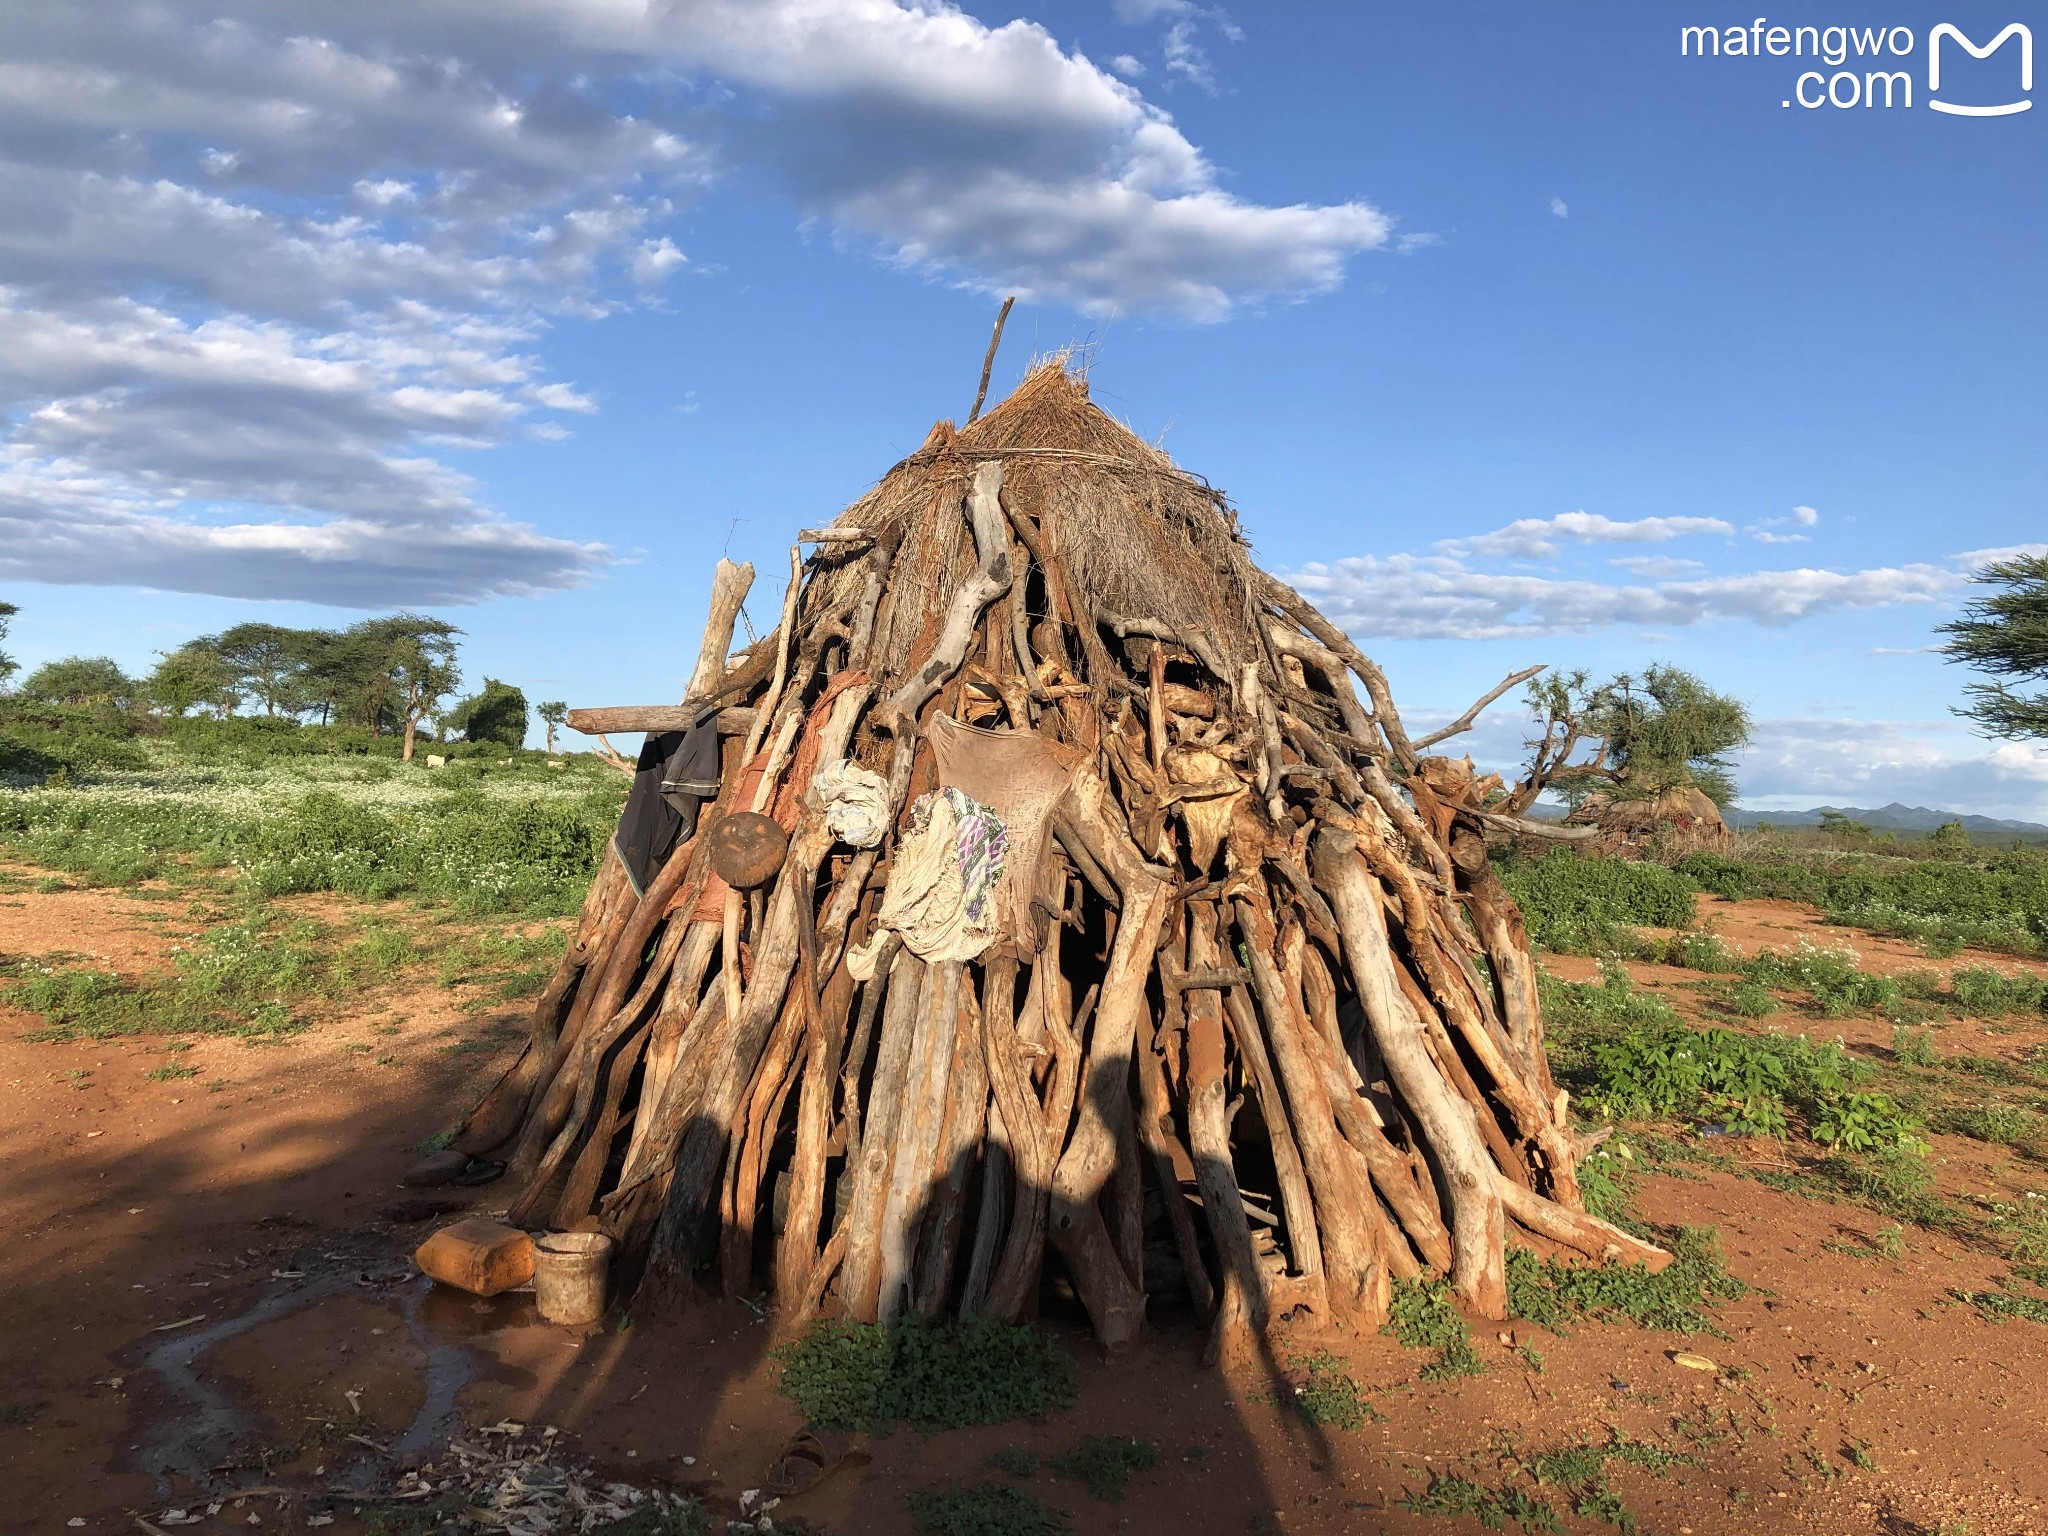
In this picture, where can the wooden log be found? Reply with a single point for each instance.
(959, 1145)
(654, 719)
(914, 1169)
(704, 1144)
(1448, 1123)
(1243, 1307)
(1581, 1232)
(1036, 1132)
(498, 1116)
(1347, 1217)
(1173, 1170)
(796, 1248)
(1115, 1303)
(729, 587)
(1297, 1205)
(861, 1272)
(989, 581)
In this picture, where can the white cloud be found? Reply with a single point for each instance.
(1767, 530)
(1656, 567)
(1976, 559)
(1799, 763)
(261, 264)
(1559, 209)
(1538, 537)
(1438, 596)
(1126, 65)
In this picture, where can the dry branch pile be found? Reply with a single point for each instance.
(1166, 934)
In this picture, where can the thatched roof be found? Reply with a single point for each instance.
(1138, 534)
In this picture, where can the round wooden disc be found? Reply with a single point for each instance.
(747, 849)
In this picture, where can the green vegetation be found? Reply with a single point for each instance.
(1578, 1471)
(1630, 1057)
(1424, 1315)
(1997, 900)
(1451, 1495)
(2001, 1306)
(983, 1509)
(1328, 1395)
(1576, 905)
(2006, 636)
(482, 835)
(939, 1375)
(1103, 1464)
(250, 975)
(1553, 1294)
(1631, 736)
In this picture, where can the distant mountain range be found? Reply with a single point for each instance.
(1894, 818)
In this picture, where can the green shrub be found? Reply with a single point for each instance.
(1578, 905)
(1103, 1464)
(848, 1375)
(1451, 1495)
(1552, 1293)
(983, 1509)
(2004, 1125)
(1867, 1122)
(1913, 1047)
(1329, 1394)
(1984, 993)
(1424, 1315)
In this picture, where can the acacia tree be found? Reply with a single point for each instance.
(268, 662)
(81, 680)
(2006, 635)
(8, 665)
(552, 713)
(414, 661)
(1630, 736)
(190, 677)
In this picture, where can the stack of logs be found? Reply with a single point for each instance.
(1266, 1034)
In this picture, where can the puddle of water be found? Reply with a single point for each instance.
(202, 1425)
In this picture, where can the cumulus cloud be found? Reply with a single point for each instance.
(1776, 530)
(1656, 567)
(1559, 209)
(1424, 597)
(261, 265)
(1539, 537)
(1798, 763)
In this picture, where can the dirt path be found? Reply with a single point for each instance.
(206, 1279)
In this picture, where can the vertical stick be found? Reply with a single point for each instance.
(988, 362)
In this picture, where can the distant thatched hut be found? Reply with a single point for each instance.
(1681, 815)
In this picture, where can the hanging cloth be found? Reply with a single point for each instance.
(942, 883)
(1019, 776)
(677, 772)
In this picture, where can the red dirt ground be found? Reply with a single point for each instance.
(269, 1181)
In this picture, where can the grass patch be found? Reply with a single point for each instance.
(938, 1375)
(1330, 1395)
(983, 1509)
(1103, 1464)
(1679, 1299)
(1423, 1315)
(1998, 1306)
(1576, 905)
(1453, 1496)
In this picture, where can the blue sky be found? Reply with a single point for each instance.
(1516, 336)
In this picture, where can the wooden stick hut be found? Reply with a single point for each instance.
(1045, 901)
